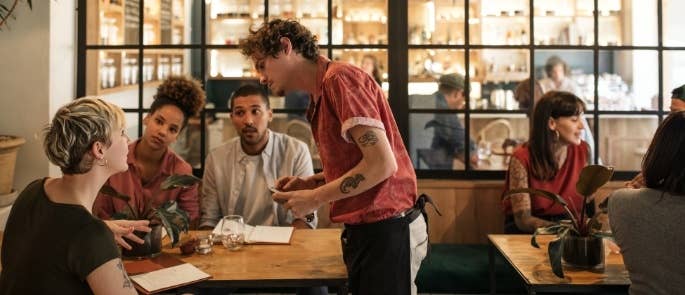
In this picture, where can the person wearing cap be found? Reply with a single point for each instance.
(448, 132)
(678, 99)
(677, 105)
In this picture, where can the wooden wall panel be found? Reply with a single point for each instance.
(470, 209)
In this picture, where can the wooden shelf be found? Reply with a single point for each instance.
(125, 17)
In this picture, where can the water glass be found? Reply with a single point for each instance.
(484, 150)
(233, 231)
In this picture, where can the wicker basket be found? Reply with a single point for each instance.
(9, 145)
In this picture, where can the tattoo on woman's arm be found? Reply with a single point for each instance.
(368, 139)
(350, 183)
(518, 178)
(127, 281)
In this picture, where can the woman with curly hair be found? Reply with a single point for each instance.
(151, 161)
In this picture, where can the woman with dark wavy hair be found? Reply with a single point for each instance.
(151, 161)
(647, 222)
(551, 160)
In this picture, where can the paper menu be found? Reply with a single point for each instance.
(263, 234)
(170, 277)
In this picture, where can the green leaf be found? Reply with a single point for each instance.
(593, 177)
(179, 180)
(547, 230)
(555, 250)
(174, 220)
(543, 193)
(3, 7)
(30, 4)
(110, 191)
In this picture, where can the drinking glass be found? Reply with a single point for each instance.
(484, 150)
(233, 231)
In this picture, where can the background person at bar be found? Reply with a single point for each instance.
(448, 132)
(551, 160)
(367, 173)
(647, 222)
(151, 161)
(370, 66)
(52, 242)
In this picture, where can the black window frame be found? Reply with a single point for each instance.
(397, 49)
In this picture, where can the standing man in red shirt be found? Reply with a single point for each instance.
(367, 177)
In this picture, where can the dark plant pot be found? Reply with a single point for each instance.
(583, 252)
(151, 248)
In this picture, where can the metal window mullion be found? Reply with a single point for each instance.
(467, 90)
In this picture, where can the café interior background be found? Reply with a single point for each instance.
(625, 61)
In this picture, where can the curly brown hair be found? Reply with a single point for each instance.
(182, 91)
(266, 40)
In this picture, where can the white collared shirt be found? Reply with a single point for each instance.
(225, 175)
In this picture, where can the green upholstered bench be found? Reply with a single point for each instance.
(454, 268)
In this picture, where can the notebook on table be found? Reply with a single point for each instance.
(162, 273)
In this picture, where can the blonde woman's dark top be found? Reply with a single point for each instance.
(50, 248)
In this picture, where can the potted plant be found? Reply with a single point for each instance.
(168, 215)
(579, 241)
(9, 147)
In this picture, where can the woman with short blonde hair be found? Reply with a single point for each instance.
(52, 242)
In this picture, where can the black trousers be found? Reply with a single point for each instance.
(377, 256)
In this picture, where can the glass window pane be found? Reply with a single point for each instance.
(372, 61)
(436, 22)
(158, 64)
(625, 139)
(112, 22)
(310, 13)
(497, 22)
(564, 22)
(132, 125)
(674, 74)
(113, 75)
(673, 22)
(425, 67)
(168, 22)
(496, 74)
(629, 22)
(567, 70)
(359, 22)
(494, 139)
(435, 146)
(229, 63)
(228, 21)
(627, 80)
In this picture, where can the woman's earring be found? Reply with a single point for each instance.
(103, 162)
(556, 135)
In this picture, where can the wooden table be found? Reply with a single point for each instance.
(532, 265)
(313, 258)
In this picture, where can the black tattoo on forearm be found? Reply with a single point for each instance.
(127, 281)
(350, 183)
(368, 139)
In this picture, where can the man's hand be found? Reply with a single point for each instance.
(294, 183)
(301, 202)
(125, 228)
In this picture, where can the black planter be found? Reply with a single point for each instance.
(583, 252)
(151, 248)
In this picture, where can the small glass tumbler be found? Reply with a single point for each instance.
(233, 231)
(204, 244)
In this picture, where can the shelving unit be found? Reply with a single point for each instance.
(115, 22)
